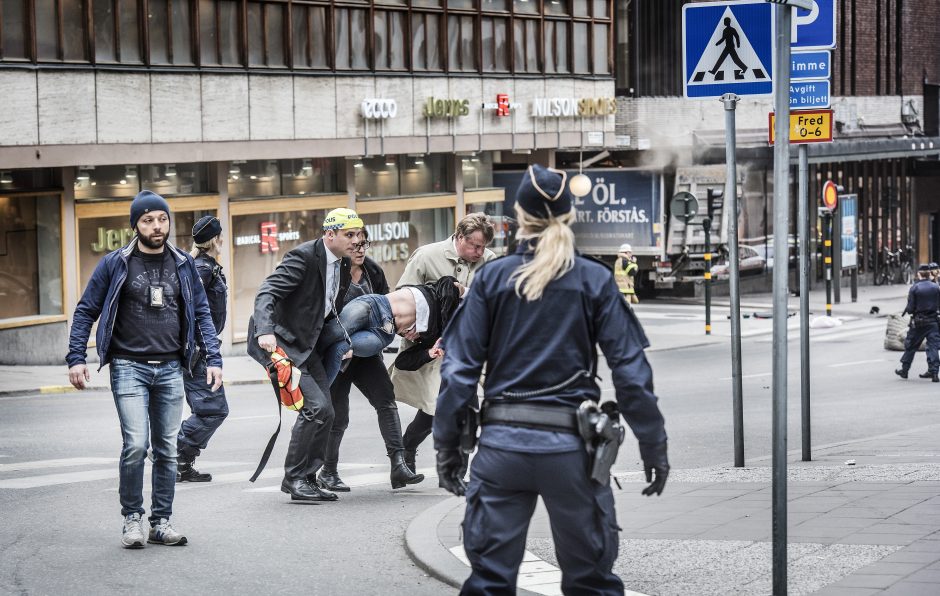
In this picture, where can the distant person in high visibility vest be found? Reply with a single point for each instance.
(625, 270)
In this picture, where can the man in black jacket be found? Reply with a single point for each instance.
(306, 289)
(371, 377)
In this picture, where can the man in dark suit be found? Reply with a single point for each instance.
(306, 289)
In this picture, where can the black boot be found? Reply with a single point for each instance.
(410, 455)
(186, 471)
(930, 375)
(330, 480)
(901, 373)
(401, 474)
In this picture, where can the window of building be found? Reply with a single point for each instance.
(107, 182)
(558, 7)
(461, 54)
(526, 45)
(495, 41)
(526, 6)
(170, 32)
(426, 49)
(313, 176)
(389, 39)
(254, 178)
(396, 234)
(310, 39)
(60, 31)
(495, 5)
(461, 4)
(266, 38)
(556, 47)
(580, 47)
(117, 31)
(601, 8)
(219, 33)
(402, 175)
(477, 171)
(351, 30)
(427, 3)
(171, 179)
(600, 41)
(14, 30)
(30, 256)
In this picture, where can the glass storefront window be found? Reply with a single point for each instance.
(30, 256)
(313, 176)
(32, 179)
(402, 175)
(259, 242)
(97, 236)
(504, 238)
(255, 178)
(477, 171)
(396, 234)
(107, 182)
(173, 179)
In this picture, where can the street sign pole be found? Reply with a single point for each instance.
(707, 227)
(781, 248)
(827, 257)
(730, 101)
(804, 214)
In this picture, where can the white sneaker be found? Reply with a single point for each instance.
(163, 533)
(133, 535)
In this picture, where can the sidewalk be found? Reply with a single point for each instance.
(665, 332)
(853, 530)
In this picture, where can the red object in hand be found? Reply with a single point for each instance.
(288, 380)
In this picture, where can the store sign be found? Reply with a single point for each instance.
(446, 108)
(268, 238)
(503, 106)
(379, 108)
(111, 239)
(389, 241)
(569, 107)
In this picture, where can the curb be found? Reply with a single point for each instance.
(429, 554)
(52, 389)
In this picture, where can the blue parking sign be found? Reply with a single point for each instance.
(814, 29)
(727, 47)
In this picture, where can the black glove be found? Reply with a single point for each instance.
(451, 466)
(654, 458)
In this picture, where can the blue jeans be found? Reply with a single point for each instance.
(149, 400)
(209, 410)
(367, 321)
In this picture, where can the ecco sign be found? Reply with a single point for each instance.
(568, 107)
(379, 109)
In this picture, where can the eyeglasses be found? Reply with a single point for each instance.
(362, 246)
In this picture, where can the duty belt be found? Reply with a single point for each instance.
(525, 415)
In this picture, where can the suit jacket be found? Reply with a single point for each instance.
(290, 302)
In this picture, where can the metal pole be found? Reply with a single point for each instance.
(804, 212)
(707, 226)
(854, 280)
(730, 100)
(827, 258)
(781, 229)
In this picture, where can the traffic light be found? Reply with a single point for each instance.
(713, 194)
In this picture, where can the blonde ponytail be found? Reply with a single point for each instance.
(554, 252)
(200, 246)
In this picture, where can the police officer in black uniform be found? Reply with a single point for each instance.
(209, 408)
(923, 304)
(534, 319)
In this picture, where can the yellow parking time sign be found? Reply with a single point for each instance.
(808, 126)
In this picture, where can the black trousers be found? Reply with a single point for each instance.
(312, 429)
(370, 376)
(418, 430)
(501, 497)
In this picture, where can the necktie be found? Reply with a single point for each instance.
(334, 289)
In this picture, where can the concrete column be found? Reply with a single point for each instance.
(70, 282)
(351, 183)
(225, 258)
(461, 209)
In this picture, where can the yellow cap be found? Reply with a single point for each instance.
(342, 219)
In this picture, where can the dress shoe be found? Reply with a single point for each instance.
(410, 455)
(901, 373)
(401, 474)
(330, 480)
(929, 375)
(304, 490)
(186, 472)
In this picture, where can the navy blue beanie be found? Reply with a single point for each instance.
(544, 190)
(145, 202)
(207, 228)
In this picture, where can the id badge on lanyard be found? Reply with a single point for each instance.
(155, 293)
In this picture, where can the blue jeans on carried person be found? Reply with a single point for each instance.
(149, 400)
(367, 321)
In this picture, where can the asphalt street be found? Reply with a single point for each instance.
(58, 475)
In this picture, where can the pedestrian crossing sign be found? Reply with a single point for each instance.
(727, 47)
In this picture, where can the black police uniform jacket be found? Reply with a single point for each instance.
(290, 302)
(213, 280)
(528, 346)
(923, 298)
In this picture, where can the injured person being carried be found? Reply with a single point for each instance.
(369, 323)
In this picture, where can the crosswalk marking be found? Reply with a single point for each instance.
(56, 463)
(64, 478)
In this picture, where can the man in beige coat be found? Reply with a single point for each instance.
(461, 256)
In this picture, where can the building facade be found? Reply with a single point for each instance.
(268, 114)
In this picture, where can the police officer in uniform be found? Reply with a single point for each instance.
(535, 319)
(209, 408)
(923, 304)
